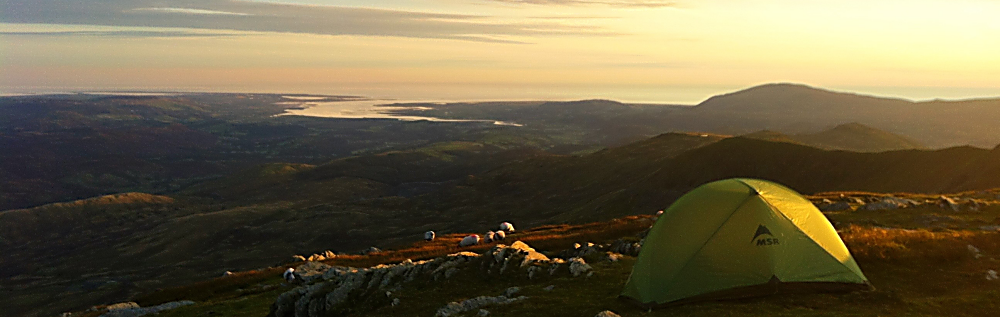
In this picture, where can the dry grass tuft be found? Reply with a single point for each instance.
(892, 245)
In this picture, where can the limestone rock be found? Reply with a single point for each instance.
(135, 310)
(578, 266)
(607, 313)
(889, 203)
(948, 203)
(622, 246)
(120, 306)
(310, 271)
(511, 291)
(457, 308)
(837, 206)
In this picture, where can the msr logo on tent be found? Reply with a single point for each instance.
(762, 230)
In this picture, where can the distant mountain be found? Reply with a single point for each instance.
(854, 137)
(803, 109)
(790, 108)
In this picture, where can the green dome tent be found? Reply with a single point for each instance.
(740, 238)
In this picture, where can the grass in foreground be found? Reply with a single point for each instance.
(917, 272)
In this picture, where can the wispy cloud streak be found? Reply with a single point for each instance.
(280, 17)
(613, 3)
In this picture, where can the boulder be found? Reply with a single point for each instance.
(973, 204)
(141, 311)
(581, 250)
(120, 306)
(511, 291)
(457, 308)
(837, 206)
(889, 203)
(612, 257)
(622, 246)
(948, 203)
(578, 266)
(310, 271)
(607, 313)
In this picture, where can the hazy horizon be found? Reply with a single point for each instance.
(629, 50)
(459, 93)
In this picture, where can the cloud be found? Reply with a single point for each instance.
(613, 3)
(190, 11)
(122, 34)
(281, 17)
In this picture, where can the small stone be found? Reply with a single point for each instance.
(483, 313)
(975, 251)
(511, 291)
(612, 257)
(395, 301)
(549, 288)
(991, 275)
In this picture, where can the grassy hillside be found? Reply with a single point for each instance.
(916, 272)
(853, 137)
(859, 138)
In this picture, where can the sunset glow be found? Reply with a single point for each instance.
(650, 51)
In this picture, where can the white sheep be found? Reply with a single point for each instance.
(469, 240)
(506, 226)
(429, 235)
(489, 237)
(289, 275)
(499, 236)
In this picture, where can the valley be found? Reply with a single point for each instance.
(112, 198)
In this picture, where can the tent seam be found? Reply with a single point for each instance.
(688, 261)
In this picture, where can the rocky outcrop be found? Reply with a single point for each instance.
(607, 313)
(835, 206)
(577, 267)
(325, 255)
(946, 202)
(457, 308)
(132, 310)
(581, 250)
(889, 203)
(622, 246)
(343, 290)
(310, 271)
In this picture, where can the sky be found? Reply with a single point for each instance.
(629, 50)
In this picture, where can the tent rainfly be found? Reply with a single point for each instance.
(740, 238)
